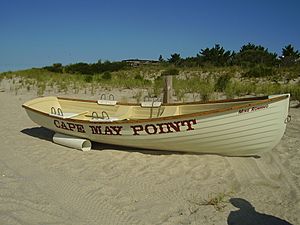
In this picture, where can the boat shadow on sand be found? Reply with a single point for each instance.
(47, 135)
(247, 215)
(39, 132)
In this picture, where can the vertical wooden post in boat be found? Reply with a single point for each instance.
(168, 85)
(168, 88)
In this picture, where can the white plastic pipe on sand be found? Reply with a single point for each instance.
(72, 142)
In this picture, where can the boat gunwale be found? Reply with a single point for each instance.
(174, 104)
(260, 100)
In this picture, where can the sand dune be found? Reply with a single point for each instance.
(45, 183)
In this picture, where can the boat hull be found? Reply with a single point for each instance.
(241, 131)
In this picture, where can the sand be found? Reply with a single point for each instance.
(45, 183)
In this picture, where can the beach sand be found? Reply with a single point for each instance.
(45, 183)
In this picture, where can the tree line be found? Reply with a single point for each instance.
(250, 55)
(87, 68)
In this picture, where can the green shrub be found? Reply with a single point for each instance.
(171, 71)
(157, 86)
(88, 78)
(138, 77)
(222, 82)
(56, 68)
(41, 87)
(237, 88)
(293, 89)
(106, 76)
(295, 92)
(269, 89)
(260, 71)
(206, 90)
(97, 78)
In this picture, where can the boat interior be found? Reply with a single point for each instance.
(113, 111)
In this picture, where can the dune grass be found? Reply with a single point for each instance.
(201, 83)
(217, 200)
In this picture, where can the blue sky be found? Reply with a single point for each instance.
(35, 33)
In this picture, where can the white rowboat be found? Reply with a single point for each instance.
(237, 127)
